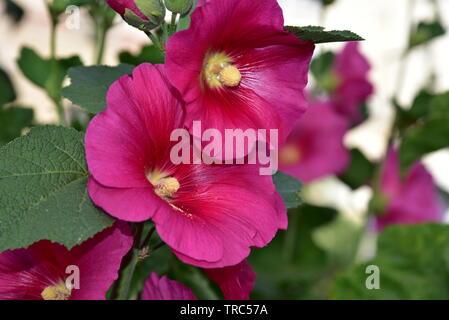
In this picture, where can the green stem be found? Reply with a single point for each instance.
(101, 41)
(290, 237)
(127, 273)
(173, 23)
(403, 59)
(156, 42)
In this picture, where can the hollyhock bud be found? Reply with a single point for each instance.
(409, 201)
(41, 271)
(143, 14)
(179, 6)
(315, 147)
(209, 215)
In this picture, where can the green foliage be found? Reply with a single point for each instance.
(47, 74)
(423, 126)
(293, 266)
(149, 53)
(288, 187)
(426, 32)
(89, 85)
(360, 171)
(7, 92)
(43, 190)
(413, 262)
(319, 35)
(12, 121)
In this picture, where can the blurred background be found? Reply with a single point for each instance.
(385, 24)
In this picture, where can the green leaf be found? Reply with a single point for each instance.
(288, 187)
(150, 54)
(318, 35)
(430, 136)
(47, 74)
(89, 85)
(34, 67)
(360, 171)
(12, 121)
(7, 92)
(413, 264)
(426, 32)
(43, 190)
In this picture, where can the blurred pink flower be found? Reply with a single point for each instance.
(236, 282)
(315, 147)
(353, 88)
(409, 201)
(210, 215)
(165, 289)
(39, 272)
(236, 67)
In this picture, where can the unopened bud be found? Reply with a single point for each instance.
(179, 6)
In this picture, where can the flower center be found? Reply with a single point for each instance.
(289, 154)
(164, 186)
(218, 71)
(57, 292)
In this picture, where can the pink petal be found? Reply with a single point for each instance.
(99, 259)
(122, 140)
(128, 204)
(236, 282)
(165, 289)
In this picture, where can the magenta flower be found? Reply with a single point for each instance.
(236, 282)
(210, 215)
(156, 288)
(353, 86)
(315, 147)
(236, 67)
(410, 201)
(40, 271)
(120, 7)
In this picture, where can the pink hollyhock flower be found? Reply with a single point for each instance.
(315, 147)
(236, 282)
(410, 201)
(40, 271)
(237, 68)
(165, 289)
(353, 87)
(210, 215)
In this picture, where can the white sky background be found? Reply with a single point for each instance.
(383, 23)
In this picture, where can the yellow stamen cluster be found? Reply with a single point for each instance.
(164, 186)
(218, 71)
(56, 292)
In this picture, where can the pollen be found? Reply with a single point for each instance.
(56, 292)
(230, 76)
(289, 154)
(167, 187)
(219, 71)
